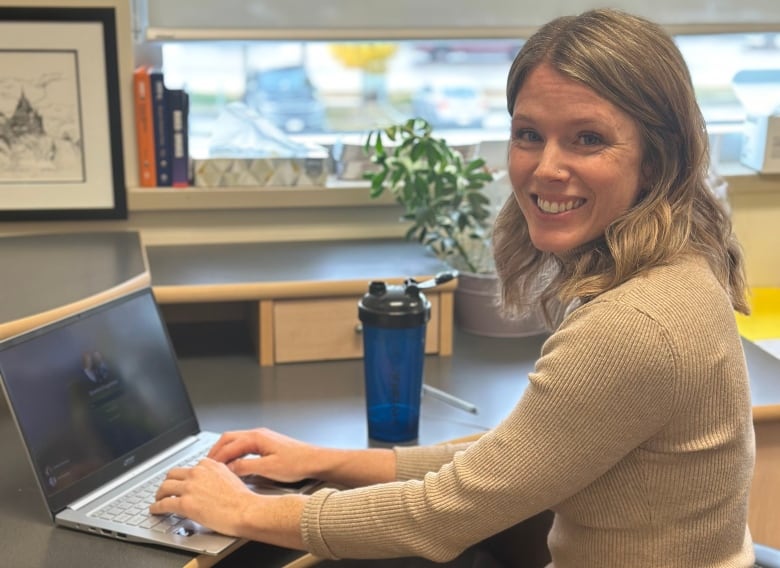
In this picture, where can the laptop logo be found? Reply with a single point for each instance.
(128, 461)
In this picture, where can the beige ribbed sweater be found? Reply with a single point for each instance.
(635, 429)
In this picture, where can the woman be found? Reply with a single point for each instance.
(635, 428)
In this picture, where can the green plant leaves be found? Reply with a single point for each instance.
(440, 191)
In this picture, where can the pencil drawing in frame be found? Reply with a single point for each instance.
(61, 155)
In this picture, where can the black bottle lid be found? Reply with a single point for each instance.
(394, 306)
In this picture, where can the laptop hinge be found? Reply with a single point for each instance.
(130, 474)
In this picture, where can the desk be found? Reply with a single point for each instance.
(323, 404)
(319, 402)
(60, 274)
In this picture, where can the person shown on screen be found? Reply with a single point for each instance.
(635, 428)
(95, 368)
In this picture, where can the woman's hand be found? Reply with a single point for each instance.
(212, 495)
(208, 493)
(280, 458)
(271, 455)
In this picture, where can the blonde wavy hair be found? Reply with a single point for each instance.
(636, 65)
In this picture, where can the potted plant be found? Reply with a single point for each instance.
(441, 192)
(448, 209)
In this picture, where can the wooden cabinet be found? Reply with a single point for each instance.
(294, 330)
(326, 328)
(302, 297)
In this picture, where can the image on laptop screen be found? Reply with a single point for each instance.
(95, 389)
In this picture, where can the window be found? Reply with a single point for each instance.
(323, 91)
(325, 71)
(327, 91)
(717, 63)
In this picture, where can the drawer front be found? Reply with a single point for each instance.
(328, 328)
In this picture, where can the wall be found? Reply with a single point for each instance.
(756, 217)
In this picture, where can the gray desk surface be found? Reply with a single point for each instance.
(43, 272)
(316, 261)
(318, 402)
(53, 270)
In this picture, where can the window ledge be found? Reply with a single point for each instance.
(339, 193)
(336, 193)
(742, 179)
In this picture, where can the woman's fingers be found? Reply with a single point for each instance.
(166, 505)
(247, 466)
(232, 445)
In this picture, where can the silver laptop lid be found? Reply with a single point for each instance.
(95, 394)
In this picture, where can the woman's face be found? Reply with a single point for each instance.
(574, 160)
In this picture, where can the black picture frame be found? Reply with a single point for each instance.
(61, 153)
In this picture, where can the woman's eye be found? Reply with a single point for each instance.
(589, 139)
(525, 135)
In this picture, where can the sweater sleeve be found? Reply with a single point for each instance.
(605, 383)
(413, 462)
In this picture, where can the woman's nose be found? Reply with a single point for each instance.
(551, 166)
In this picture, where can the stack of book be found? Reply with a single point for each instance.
(161, 119)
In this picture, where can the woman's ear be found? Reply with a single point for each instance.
(646, 174)
(646, 180)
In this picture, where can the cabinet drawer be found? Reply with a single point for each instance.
(328, 328)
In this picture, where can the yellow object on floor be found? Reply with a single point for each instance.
(764, 321)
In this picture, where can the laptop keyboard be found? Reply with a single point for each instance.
(132, 508)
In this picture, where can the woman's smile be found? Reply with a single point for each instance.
(558, 206)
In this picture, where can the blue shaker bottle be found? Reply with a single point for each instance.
(394, 319)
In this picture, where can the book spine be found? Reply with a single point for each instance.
(144, 127)
(179, 108)
(162, 128)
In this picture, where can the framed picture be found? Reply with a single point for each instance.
(61, 154)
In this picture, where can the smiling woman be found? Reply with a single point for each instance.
(663, 153)
(574, 160)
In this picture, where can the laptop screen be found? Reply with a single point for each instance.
(95, 394)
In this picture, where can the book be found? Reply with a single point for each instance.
(178, 106)
(144, 127)
(162, 127)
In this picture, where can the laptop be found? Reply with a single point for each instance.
(103, 412)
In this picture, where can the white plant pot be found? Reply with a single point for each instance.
(476, 310)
